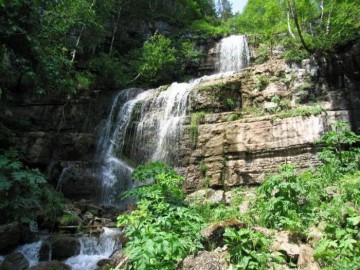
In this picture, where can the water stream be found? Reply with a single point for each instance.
(92, 249)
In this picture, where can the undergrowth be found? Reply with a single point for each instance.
(164, 229)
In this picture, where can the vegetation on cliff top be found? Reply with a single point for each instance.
(52, 46)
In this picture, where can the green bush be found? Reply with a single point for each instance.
(263, 81)
(162, 230)
(247, 249)
(22, 192)
(339, 151)
(158, 59)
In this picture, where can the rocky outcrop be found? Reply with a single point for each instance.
(241, 152)
(56, 132)
(206, 196)
(214, 233)
(206, 260)
(260, 118)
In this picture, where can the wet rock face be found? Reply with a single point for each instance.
(10, 235)
(78, 180)
(54, 131)
(63, 247)
(52, 265)
(15, 261)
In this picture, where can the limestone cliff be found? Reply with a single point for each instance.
(279, 111)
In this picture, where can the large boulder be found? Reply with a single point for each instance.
(64, 247)
(44, 252)
(205, 261)
(213, 234)
(53, 265)
(10, 235)
(15, 261)
(284, 243)
(205, 196)
(306, 259)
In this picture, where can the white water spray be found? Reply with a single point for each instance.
(233, 53)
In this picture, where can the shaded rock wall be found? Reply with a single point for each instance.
(57, 132)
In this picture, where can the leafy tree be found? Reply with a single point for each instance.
(224, 9)
(158, 57)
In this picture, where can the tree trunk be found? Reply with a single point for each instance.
(328, 23)
(73, 53)
(289, 25)
(292, 8)
(116, 26)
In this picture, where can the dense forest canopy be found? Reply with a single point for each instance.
(52, 46)
(64, 45)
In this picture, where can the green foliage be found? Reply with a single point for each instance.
(207, 29)
(194, 125)
(202, 167)
(339, 151)
(68, 219)
(157, 58)
(322, 29)
(72, 45)
(233, 117)
(282, 200)
(22, 193)
(276, 99)
(189, 53)
(162, 230)
(151, 170)
(339, 248)
(299, 111)
(247, 249)
(230, 102)
(263, 81)
(263, 54)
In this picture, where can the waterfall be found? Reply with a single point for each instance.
(233, 53)
(31, 252)
(145, 126)
(94, 249)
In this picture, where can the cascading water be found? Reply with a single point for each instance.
(147, 126)
(233, 53)
(92, 250)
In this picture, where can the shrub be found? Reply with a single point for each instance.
(22, 192)
(263, 81)
(247, 249)
(158, 58)
(339, 151)
(162, 230)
